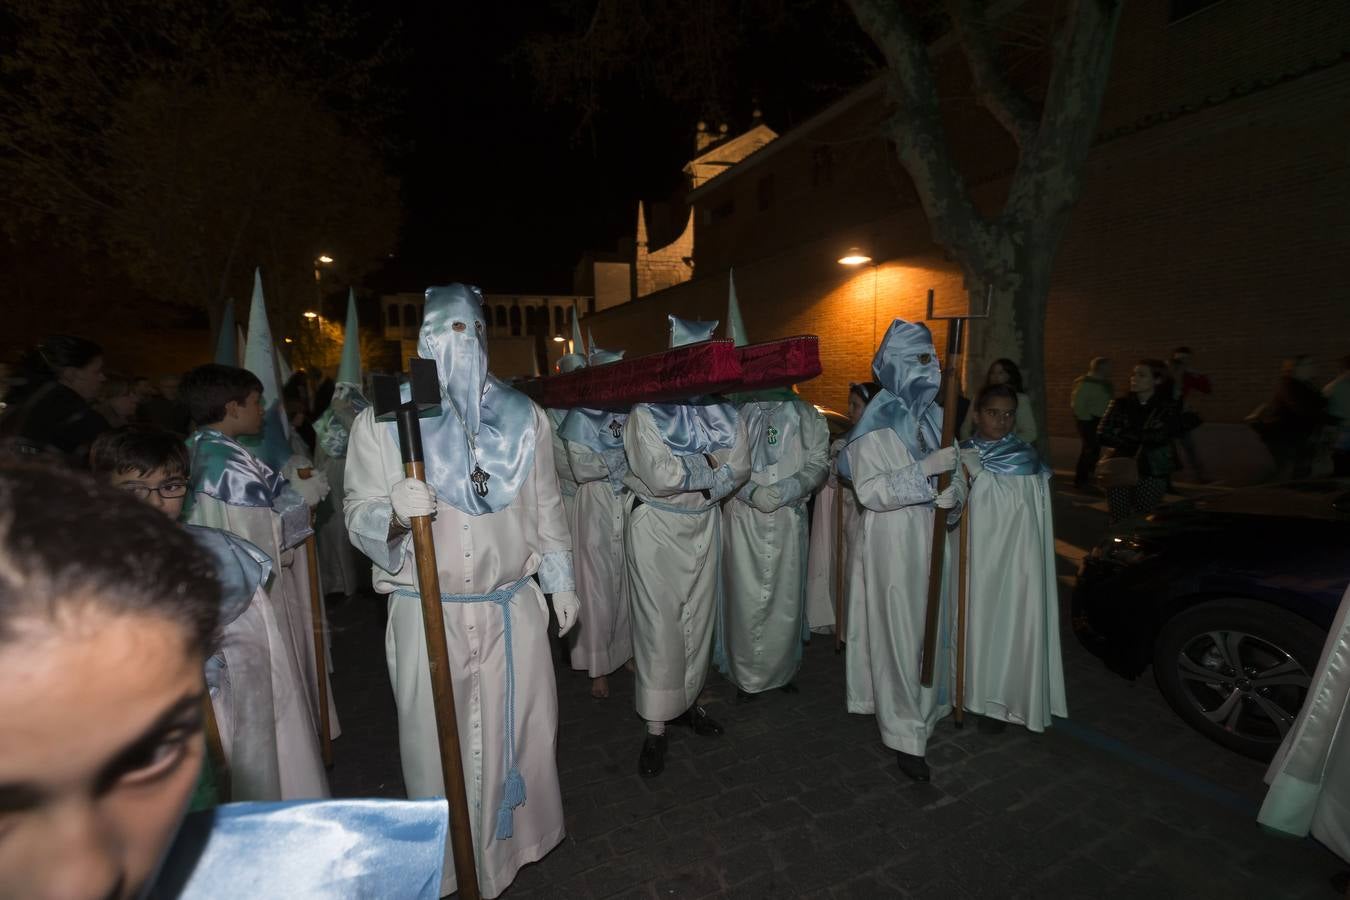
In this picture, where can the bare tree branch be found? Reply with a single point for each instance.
(917, 128)
(1009, 107)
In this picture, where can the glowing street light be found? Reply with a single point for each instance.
(855, 256)
(288, 340)
(311, 314)
(325, 258)
(558, 339)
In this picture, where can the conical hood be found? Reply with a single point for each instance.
(284, 370)
(349, 370)
(735, 327)
(578, 347)
(260, 358)
(576, 357)
(227, 347)
(240, 342)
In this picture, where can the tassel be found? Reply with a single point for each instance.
(513, 795)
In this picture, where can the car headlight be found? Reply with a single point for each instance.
(1123, 551)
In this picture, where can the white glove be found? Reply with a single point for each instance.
(411, 498)
(723, 483)
(939, 461)
(312, 489)
(953, 496)
(566, 604)
(970, 458)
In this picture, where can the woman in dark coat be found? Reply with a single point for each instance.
(1142, 425)
(50, 414)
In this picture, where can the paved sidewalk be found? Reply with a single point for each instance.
(801, 799)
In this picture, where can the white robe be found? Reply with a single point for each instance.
(822, 559)
(567, 481)
(764, 568)
(474, 555)
(266, 730)
(338, 571)
(1309, 777)
(1014, 669)
(602, 639)
(889, 596)
(288, 588)
(674, 550)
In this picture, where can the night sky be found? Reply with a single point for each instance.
(504, 191)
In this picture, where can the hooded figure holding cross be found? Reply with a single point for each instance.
(493, 490)
(894, 455)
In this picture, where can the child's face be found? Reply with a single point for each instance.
(246, 417)
(100, 751)
(855, 407)
(163, 490)
(996, 420)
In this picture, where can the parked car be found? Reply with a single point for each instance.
(1229, 597)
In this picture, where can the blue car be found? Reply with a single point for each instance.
(1229, 598)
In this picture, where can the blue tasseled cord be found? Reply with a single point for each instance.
(513, 788)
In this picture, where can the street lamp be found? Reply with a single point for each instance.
(558, 339)
(325, 258)
(311, 314)
(855, 256)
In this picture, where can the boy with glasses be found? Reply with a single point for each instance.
(254, 679)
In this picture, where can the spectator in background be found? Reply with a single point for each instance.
(117, 403)
(163, 409)
(1185, 382)
(1291, 423)
(1090, 397)
(1337, 393)
(50, 413)
(1141, 425)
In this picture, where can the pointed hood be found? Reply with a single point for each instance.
(684, 332)
(576, 359)
(349, 370)
(227, 347)
(600, 357)
(454, 335)
(735, 327)
(260, 358)
(906, 367)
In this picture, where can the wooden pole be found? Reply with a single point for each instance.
(438, 662)
(962, 600)
(320, 651)
(215, 748)
(938, 559)
(841, 496)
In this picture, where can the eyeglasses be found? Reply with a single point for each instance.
(169, 490)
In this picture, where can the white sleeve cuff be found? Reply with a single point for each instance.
(555, 572)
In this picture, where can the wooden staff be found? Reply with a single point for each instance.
(939, 553)
(438, 661)
(962, 600)
(316, 627)
(841, 495)
(215, 748)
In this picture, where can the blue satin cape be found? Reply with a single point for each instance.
(1008, 456)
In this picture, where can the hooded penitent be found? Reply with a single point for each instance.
(735, 327)
(479, 450)
(334, 427)
(273, 446)
(576, 358)
(227, 345)
(906, 367)
(701, 424)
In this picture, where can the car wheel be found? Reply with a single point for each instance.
(1237, 671)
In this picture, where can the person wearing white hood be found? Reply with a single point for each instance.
(761, 623)
(682, 459)
(499, 521)
(603, 639)
(893, 457)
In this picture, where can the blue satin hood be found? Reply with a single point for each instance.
(308, 849)
(595, 429)
(477, 409)
(684, 332)
(906, 367)
(241, 568)
(1008, 456)
(223, 468)
(697, 426)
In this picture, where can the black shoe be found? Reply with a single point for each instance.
(790, 688)
(652, 759)
(916, 767)
(743, 697)
(990, 726)
(697, 718)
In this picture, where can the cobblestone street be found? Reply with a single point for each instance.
(801, 799)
